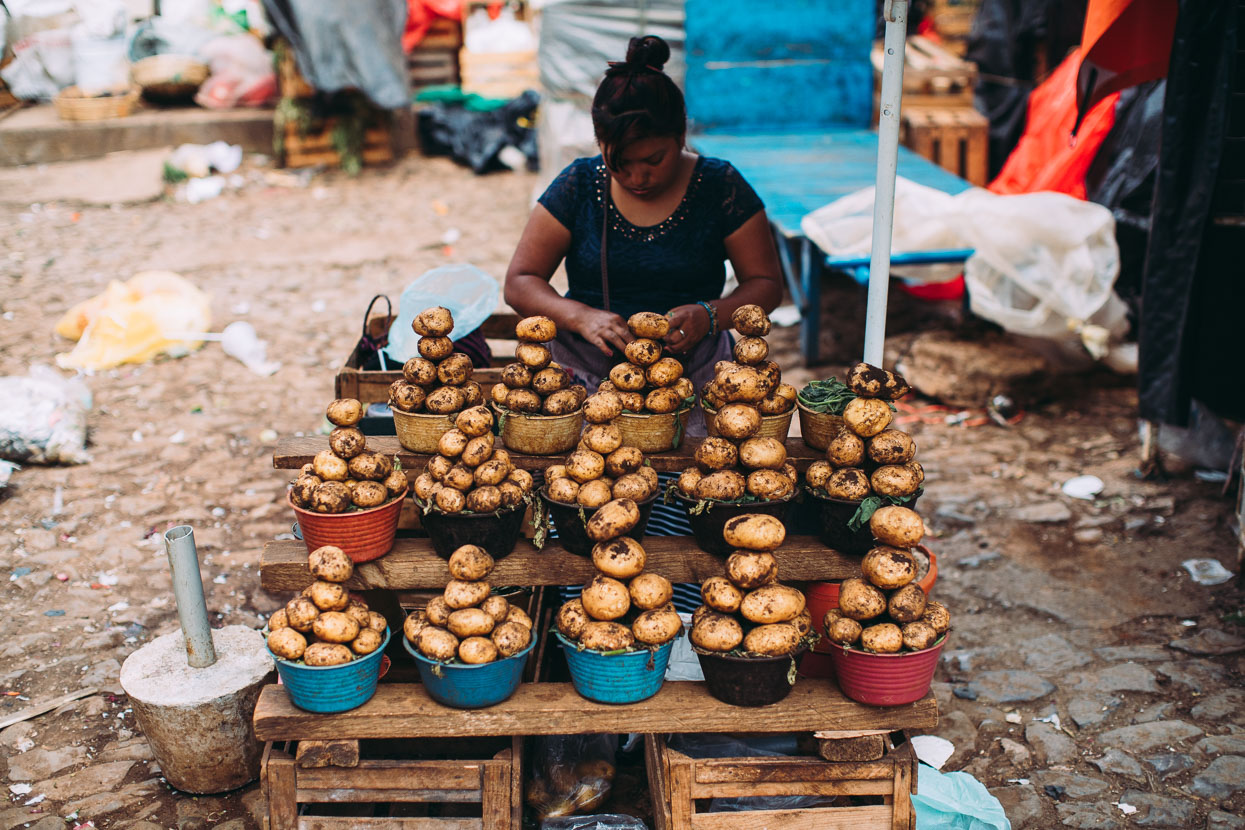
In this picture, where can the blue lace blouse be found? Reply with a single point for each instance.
(658, 267)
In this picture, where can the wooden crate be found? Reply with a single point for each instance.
(316, 147)
(500, 75)
(932, 76)
(954, 138)
(434, 60)
(677, 782)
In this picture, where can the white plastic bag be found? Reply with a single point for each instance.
(43, 418)
(470, 294)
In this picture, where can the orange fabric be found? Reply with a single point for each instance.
(1126, 42)
(420, 14)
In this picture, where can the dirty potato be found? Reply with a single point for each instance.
(459, 593)
(867, 416)
(859, 600)
(435, 349)
(763, 454)
(329, 596)
(520, 478)
(622, 558)
(622, 461)
(563, 491)
(471, 622)
(888, 568)
(438, 611)
(937, 616)
(665, 372)
(302, 488)
(330, 497)
(650, 590)
(436, 643)
(663, 401)
(751, 350)
(716, 454)
(498, 393)
(445, 400)
(327, 654)
(717, 632)
(649, 325)
(563, 402)
(711, 396)
(688, 480)
(450, 500)
(918, 635)
(452, 443)
(491, 473)
(849, 484)
(477, 651)
(371, 466)
(396, 483)
(497, 607)
(334, 627)
(474, 422)
(846, 450)
(772, 604)
(894, 480)
(632, 486)
(330, 563)
(817, 474)
(455, 370)
(605, 598)
(278, 620)
(602, 438)
(632, 402)
(593, 494)
(754, 531)
(628, 377)
(872, 382)
(420, 372)
(287, 643)
(516, 376)
(772, 639)
(344, 412)
(414, 623)
(433, 322)
(749, 569)
(907, 604)
(486, 499)
(376, 621)
(770, 485)
(550, 380)
(585, 465)
(737, 421)
(843, 630)
(883, 638)
(892, 446)
(537, 329)
(751, 321)
(460, 477)
(602, 407)
(657, 626)
(571, 619)
(510, 638)
(720, 595)
(347, 442)
(613, 519)
(724, 485)
(643, 351)
(781, 400)
(479, 450)
(535, 356)
(328, 467)
(606, 636)
(300, 613)
(367, 641)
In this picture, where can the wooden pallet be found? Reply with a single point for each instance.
(501, 75)
(316, 147)
(931, 76)
(954, 138)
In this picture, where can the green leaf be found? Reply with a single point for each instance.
(870, 505)
(829, 396)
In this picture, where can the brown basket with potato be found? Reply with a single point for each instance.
(772, 426)
(420, 431)
(651, 432)
(818, 428)
(540, 434)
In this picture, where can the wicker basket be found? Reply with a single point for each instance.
(818, 428)
(653, 433)
(772, 426)
(169, 76)
(421, 431)
(539, 434)
(72, 105)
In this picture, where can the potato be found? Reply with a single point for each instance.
(650, 590)
(849, 484)
(455, 370)
(452, 443)
(769, 485)
(871, 382)
(460, 477)
(414, 623)
(772, 604)
(289, 644)
(663, 401)
(396, 484)
(606, 636)
(917, 470)
(892, 446)
(846, 450)
(665, 372)
(605, 598)
(479, 450)
(781, 400)
(907, 604)
(516, 376)
(716, 454)
(445, 400)
(894, 480)
(520, 478)
(613, 519)
(563, 491)
(770, 374)
(650, 475)
(438, 611)
(437, 644)
(772, 640)
(580, 391)
(684, 388)
(376, 621)
(406, 396)
(492, 473)
(791, 473)
(372, 466)
(347, 442)
(751, 320)
(438, 466)
(657, 626)
(622, 461)
(633, 486)
(688, 480)
(883, 638)
(302, 488)
(754, 531)
(536, 329)
(602, 407)
(602, 438)
(420, 372)
(817, 474)
(511, 638)
(300, 613)
(621, 558)
(628, 377)
(497, 607)
(550, 380)
(459, 593)
(585, 465)
(700, 612)
(571, 619)
(632, 401)
(751, 350)
(486, 499)
(763, 454)
(724, 485)
(743, 384)
(330, 563)
(344, 412)
(649, 324)
(888, 568)
(278, 620)
(435, 349)
(329, 596)
(867, 416)
(498, 393)
(330, 497)
(749, 569)
(720, 595)
(433, 322)
(918, 635)
(327, 654)
(711, 396)
(367, 641)
(470, 563)
(643, 351)
(593, 494)
(518, 615)
(717, 632)
(328, 467)
(511, 495)
(937, 616)
(535, 356)
(843, 630)
(737, 421)
(859, 600)
(358, 611)
(426, 487)
(451, 501)
(803, 622)
(471, 622)
(335, 627)
(472, 423)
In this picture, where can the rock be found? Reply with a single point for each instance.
(256, 805)
(104, 674)
(1212, 641)
(1088, 536)
(1117, 762)
(98, 805)
(38, 764)
(1225, 705)
(47, 823)
(192, 823)
(1053, 654)
(1222, 745)
(1157, 711)
(1017, 753)
(1170, 763)
(18, 733)
(232, 824)
(98, 778)
(1219, 820)
(1137, 654)
(968, 373)
(1145, 736)
(1123, 677)
(1198, 675)
(135, 749)
(1011, 685)
(1087, 816)
(1046, 512)
(1052, 746)
(1021, 804)
(1074, 786)
(1091, 711)
(1159, 811)
(1222, 779)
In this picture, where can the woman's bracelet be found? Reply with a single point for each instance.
(713, 317)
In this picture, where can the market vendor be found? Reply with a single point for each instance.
(645, 226)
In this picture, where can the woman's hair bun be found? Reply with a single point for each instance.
(650, 51)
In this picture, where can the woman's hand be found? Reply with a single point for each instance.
(688, 326)
(603, 329)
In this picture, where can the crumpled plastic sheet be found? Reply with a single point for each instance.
(955, 801)
(43, 418)
(605, 821)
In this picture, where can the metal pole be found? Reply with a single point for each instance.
(179, 543)
(895, 13)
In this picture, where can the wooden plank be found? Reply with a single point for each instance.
(516, 781)
(346, 794)
(400, 710)
(682, 809)
(901, 801)
(394, 775)
(282, 793)
(830, 818)
(822, 788)
(495, 809)
(778, 769)
(315, 754)
(47, 706)
(658, 773)
(412, 565)
(358, 823)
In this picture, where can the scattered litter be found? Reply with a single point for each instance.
(202, 190)
(7, 468)
(785, 315)
(58, 501)
(220, 579)
(1054, 791)
(268, 436)
(178, 437)
(136, 437)
(119, 606)
(318, 306)
(36, 800)
(18, 573)
(20, 789)
(240, 309)
(109, 579)
(1083, 487)
(54, 613)
(1188, 623)
(1126, 809)
(43, 418)
(965, 692)
(955, 801)
(932, 750)
(62, 577)
(1207, 571)
(1211, 476)
(451, 236)
(1020, 781)
(240, 341)
(218, 512)
(1013, 717)
(24, 744)
(1052, 719)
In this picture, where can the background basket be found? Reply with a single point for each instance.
(818, 428)
(539, 434)
(421, 431)
(169, 76)
(332, 688)
(464, 686)
(616, 678)
(653, 433)
(772, 426)
(72, 105)
(363, 534)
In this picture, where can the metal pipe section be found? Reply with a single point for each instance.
(179, 544)
(895, 13)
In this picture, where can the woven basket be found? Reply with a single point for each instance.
(818, 428)
(539, 434)
(72, 105)
(169, 76)
(772, 426)
(420, 431)
(653, 433)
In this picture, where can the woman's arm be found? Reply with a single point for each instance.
(755, 260)
(542, 247)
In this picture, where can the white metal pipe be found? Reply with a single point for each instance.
(179, 544)
(895, 13)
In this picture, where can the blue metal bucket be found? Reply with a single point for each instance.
(332, 688)
(465, 686)
(616, 678)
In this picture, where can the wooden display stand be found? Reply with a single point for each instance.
(956, 139)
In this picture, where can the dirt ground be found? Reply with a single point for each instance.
(1089, 681)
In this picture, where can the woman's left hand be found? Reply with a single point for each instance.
(688, 326)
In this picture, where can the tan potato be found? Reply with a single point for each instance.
(711, 396)
(763, 454)
(918, 635)
(907, 604)
(817, 474)
(372, 466)
(581, 393)
(516, 376)
(650, 475)
(438, 467)
(479, 450)
(602, 438)
(328, 467)
(717, 632)
(791, 473)
(585, 465)
(628, 377)
(724, 485)
(563, 491)
(883, 638)
(329, 596)
(446, 400)
(720, 595)
(650, 590)
(450, 501)
(700, 612)
(749, 569)
(593, 494)
(347, 442)
(414, 623)
(497, 607)
(300, 613)
(684, 388)
(602, 407)
(716, 454)
(571, 619)
(850, 484)
(606, 636)
(433, 322)
(605, 598)
(803, 622)
(781, 400)
(396, 484)
(632, 402)
(612, 520)
(754, 531)
(367, 641)
(751, 320)
(772, 604)
(622, 461)
(688, 480)
(888, 568)
(471, 622)
(643, 351)
(633, 486)
(917, 470)
(511, 494)
(438, 611)
(455, 370)
(376, 621)
(859, 600)
(871, 382)
(436, 643)
(846, 450)
(535, 356)
(772, 640)
(621, 558)
(607, 386)
(518, 615)
(550, 380)
(460, 593)
(470, 563)
(406, 396)
(649, 324)
(742, 384)
(563, 402)
(344, 412)
(492, 473)
(498, 393)
(302, 488)
(420, 372)
(751, 350)
(330, 497)
(511, 638)
(657, 626)
(867, 416)
(892, 446)
(287, 643)
(473, 394)
(335, 627)
(520, 478)
(426, 487)
(278, 620)
(435, 349)
(452, 443)
(665, 372)
(844, 631)
(486, 499)
(474, 422)
(937, 616)
(663, 401)
(770, 485)
(330, 563)
(737, 421)
(537, 329)
(327, 654)
(894, 480)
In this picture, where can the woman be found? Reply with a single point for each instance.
(645, 226)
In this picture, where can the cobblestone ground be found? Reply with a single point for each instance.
(1088, 683)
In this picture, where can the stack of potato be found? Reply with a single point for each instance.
(732, 383)
(346, 475)
(869, 442)
(886, 611)
(534, 384)
(340, 627)
(748, 609)
(601, 468)
(468, 621)
(439, 380)
(469, 472)
(622, 605)
(648, 383)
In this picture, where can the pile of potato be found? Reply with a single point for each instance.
(468, 621)
(886, 611)
(439, 381)
(534, 384)
(869, 442)
(622, 606)
(469, 472)
(347, 475)
(748, 609)
(648, 383)
(339, 627)
(750, 378)
(601, 469)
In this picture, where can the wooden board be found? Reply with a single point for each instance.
(400, 710)
(954, 138)
(413, 565)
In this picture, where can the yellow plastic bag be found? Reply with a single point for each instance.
(134, 321)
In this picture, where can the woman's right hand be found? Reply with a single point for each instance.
(603, 329)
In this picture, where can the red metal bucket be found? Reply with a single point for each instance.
(363, 534)
(885, 679)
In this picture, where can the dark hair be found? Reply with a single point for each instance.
(637, 100)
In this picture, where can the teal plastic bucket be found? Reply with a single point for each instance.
(332, 688)
(616, 678)
(464, 686)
